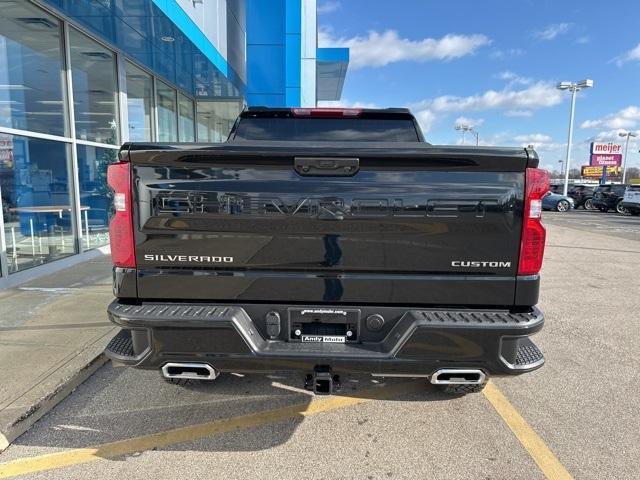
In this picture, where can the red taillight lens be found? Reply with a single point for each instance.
(121, 225)
(533, 233)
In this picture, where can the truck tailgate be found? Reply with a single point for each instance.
(340, 225)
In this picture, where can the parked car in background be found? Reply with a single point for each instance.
(609, 197)
(557, 202)
(631, 199)
(582, 195)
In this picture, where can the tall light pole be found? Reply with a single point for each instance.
(574, 88)
(626, 150)
(468, 128)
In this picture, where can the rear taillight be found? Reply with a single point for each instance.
(121, 225)
(533, 233)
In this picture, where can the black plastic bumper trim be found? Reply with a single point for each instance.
(404, 344)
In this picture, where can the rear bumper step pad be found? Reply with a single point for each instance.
(121, 345)
(528, 354)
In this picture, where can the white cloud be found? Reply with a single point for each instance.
(499, 54)
(470, 122)
(540, 141)
(537, 95)
(513, 78)
(380, 49)
(514, 102)
(552, 31)
(426, 118)
(612, 135)
(328, 6)
(533, 138)
(518, 113)
(630, 56)
(507, 75)
(583, 40)
(628, 117)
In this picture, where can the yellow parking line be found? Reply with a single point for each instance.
(186, 434)
(533, 444)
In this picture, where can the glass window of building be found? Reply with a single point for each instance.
(139, 101)
(94, 90)
(167, 115)
(36, 201)
(95, 194)
(186, 127)
(215, 120)
(31, 73)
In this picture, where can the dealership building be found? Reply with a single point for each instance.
(79, 78)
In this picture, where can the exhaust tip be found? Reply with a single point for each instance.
(458, 376)
(191, 371)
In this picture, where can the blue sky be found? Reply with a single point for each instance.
(494, 64)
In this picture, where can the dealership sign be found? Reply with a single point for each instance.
(596, 172)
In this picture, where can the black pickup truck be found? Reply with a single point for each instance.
(327, 241)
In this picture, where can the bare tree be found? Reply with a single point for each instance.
(575, 173)
(633, 172)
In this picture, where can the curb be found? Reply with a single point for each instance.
(46, 403)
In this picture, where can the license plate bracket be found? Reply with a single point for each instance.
(324, 325)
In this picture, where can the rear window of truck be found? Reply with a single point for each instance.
(327, 129)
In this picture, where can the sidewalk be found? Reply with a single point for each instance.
(52, 334)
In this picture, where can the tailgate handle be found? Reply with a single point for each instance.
(327, 166)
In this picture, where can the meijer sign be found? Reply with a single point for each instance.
(609, 148)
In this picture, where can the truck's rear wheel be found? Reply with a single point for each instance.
(461, 389)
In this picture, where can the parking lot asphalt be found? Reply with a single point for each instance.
(611, 224)
(574, 418)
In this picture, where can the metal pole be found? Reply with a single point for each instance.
(74, 172)
(86, 225)
(33, 241)
(477, 138)
(14, 244)
(624, 159)
(574, 90)
(463, 135)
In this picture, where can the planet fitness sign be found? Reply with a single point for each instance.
(605, 154)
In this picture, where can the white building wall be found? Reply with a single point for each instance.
(309, 38)
(211, 18)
